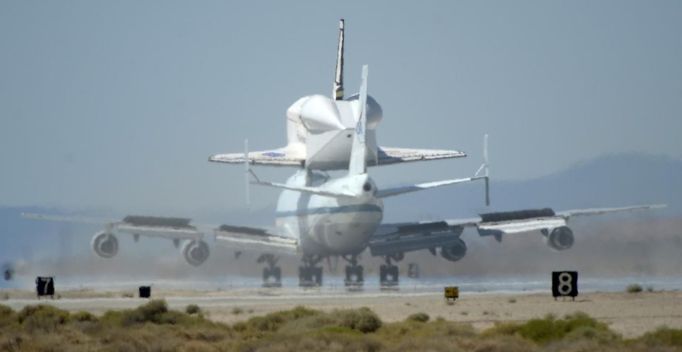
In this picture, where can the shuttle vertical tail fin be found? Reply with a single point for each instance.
(358, 162)
(337, 94)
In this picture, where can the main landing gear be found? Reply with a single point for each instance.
(310, 275)
(272, 274)
(354, 273)
(388, 273)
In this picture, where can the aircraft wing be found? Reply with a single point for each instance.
(389, 155)
(599, 211)
(137, 225)
(406, 237)
(274, 157)
(255, 239)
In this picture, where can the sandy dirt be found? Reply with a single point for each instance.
(630, 314)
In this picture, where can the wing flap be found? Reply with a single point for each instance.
(407, 237)
(518, 226)
(138, 225)
(255, 239)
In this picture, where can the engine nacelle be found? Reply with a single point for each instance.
(561, 238)
(8, 271)
(454, 252)
(195, 252)
(104, 244)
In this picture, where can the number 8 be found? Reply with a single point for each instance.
(565, 284)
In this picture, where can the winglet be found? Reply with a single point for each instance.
(337, 94)
(247, 171)
(485, 169)
(358, 162)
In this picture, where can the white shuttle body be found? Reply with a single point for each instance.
(320, 133)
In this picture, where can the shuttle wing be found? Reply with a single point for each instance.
(275, 157)
(255, 239)
(297, 158)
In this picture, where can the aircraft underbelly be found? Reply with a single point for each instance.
(333, 233)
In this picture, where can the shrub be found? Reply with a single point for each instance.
(192, 309)
(156, 312)
(551, 329)
(663, 336)
(274, 321)
(83, 316)
(7, 315)
(419, 317)
(237, 311)
(42, 317)
(634, 288)
(363, 319)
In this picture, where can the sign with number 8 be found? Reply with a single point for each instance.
(564, 284)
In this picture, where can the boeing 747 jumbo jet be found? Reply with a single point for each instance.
(318, 216)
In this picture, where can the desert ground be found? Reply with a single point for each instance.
(630, 314)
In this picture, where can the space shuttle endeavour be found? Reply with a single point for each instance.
(320, 130)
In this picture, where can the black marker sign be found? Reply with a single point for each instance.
(564, 283)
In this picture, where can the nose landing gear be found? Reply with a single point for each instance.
(354, 273)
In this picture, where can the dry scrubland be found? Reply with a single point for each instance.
(154, 327)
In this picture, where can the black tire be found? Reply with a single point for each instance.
(317, 273)
(277, 273)
(359, 271)
(394, 273)
(382, 273)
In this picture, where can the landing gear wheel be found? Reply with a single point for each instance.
(413, 270)
(310, 275)
(272, 274)
(354, 277)
(389, 276)
(272, 277)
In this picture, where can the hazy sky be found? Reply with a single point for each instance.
(118, 104)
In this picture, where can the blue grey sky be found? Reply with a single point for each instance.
(118, 104)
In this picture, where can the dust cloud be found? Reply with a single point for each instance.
(637, 246)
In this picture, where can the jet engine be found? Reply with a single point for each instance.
(104, 244)
(455, 251)
(560, 238)
(8, 271)
(196, 252)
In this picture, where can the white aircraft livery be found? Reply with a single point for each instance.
(319, 216)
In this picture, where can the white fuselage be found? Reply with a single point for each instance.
(327, 225)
